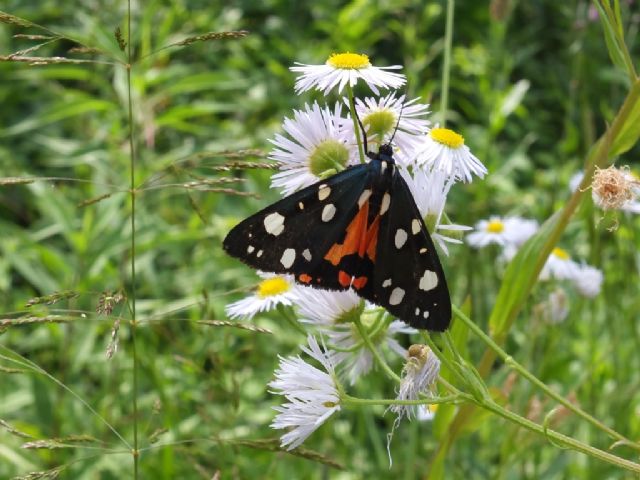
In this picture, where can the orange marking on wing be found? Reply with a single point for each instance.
(371, 241)
(304, 278)
(344, 278)
(359, 282)
(356, 233)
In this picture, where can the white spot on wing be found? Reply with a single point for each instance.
(274, 223)
(397, 294)
(415, 226)
(364, 196)
(423, 250)
(259, 254)
(328, 212)
(288, 257)
(429, 281)
(417, 311)
(383, 167)
(426, 314)
(401, 238)
(323, 191)
(301, 205)
(306, 254)
(386, 201)
(386, 283)
(250, 249)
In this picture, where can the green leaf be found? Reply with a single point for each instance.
(630, 130)
(615, 52)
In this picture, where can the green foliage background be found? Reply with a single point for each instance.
(532, 88)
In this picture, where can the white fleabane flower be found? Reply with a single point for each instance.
(427, 413)
(341, 69)
(311, 394)
(560, 266)
(589, 280)
(576, 180)
(272, 291)
(444, 150)
(318, 146)
(359, 360)
(380, 116)
(510, 230)
(325, 307)
(429, 189)
(558, 306)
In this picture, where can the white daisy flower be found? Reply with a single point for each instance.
(319, 146)
(359, 360)
(429, 189)
(325, 307)
(560, 266)
(331, 312)
(510, 230)
(557, 306)
(575, 180)
(341, 69)
(589, 280)
(272, 291)
(444, 150)
(426, 413)
(312, 395)
(380, 116)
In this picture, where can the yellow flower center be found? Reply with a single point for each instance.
(349, 61)
(495, 226)
(560, 253)
(433, 407)
(272, 287)
(447, 137)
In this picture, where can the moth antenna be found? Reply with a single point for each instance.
(364, 133)
(397, 123)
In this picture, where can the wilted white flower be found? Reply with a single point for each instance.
(613, 188)
(318, 146)
(272, 291)
(559, 266)
(312, 395)
(419, 376)
(444, 150)
(341, 69)
(589, 280)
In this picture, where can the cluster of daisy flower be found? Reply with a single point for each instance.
(320, 141)
(510, 233)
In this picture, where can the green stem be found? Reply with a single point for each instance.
(446, 68)
(560, 438)
(349, 400)
(537, 382)
(132, 163)
(356, 127)
(374, 351)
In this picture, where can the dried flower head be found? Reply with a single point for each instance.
(613, 187)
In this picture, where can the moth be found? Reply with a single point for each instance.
(359, 229)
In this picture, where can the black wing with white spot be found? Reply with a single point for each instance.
(294, 234)
(408, 277)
